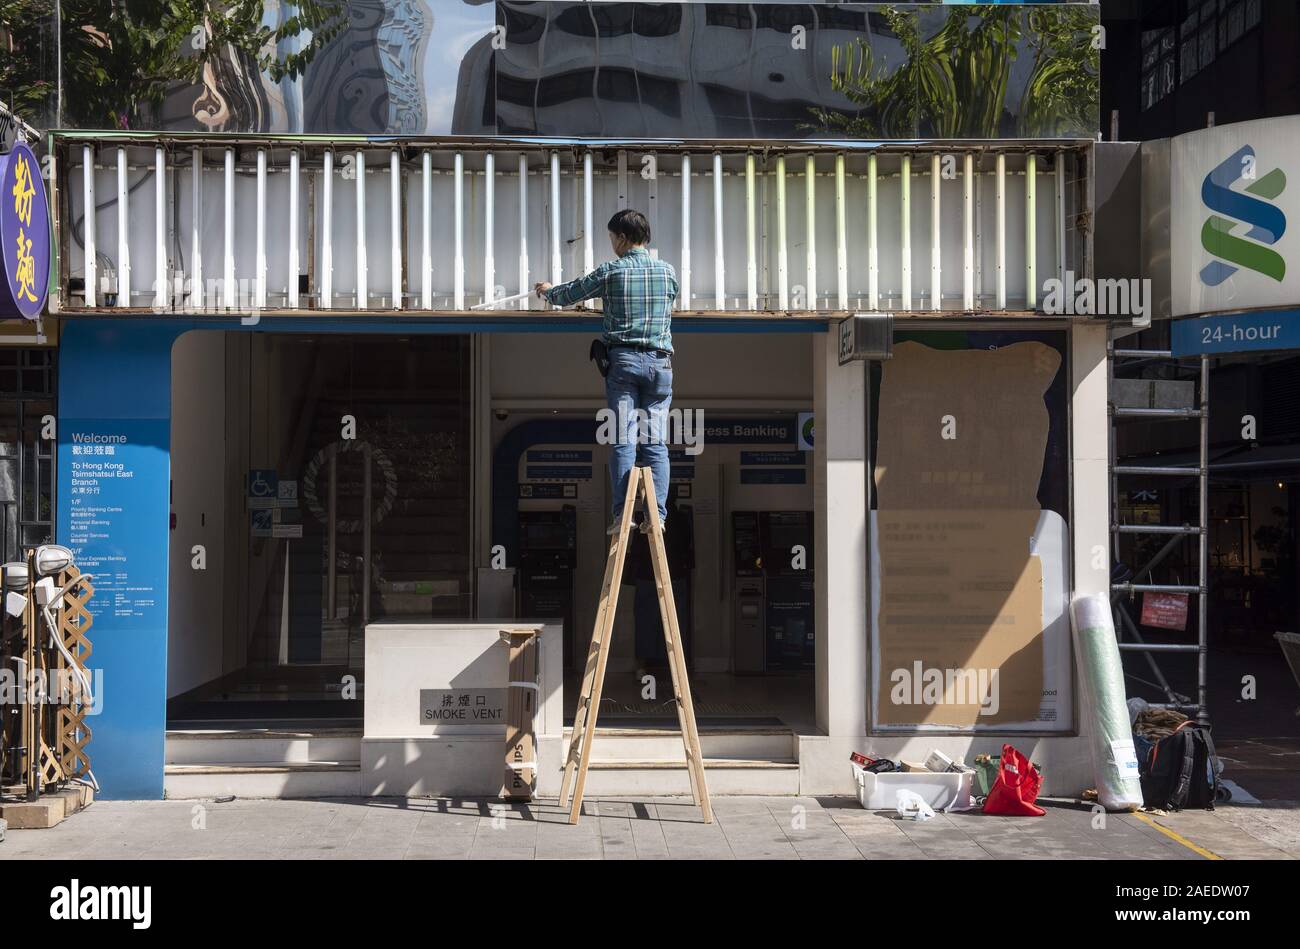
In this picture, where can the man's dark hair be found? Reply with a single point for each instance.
(631, 226)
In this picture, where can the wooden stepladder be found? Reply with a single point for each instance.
(640, 485)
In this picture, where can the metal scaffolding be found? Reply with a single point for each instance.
(1175, 533)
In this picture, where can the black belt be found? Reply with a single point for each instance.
(661, 353)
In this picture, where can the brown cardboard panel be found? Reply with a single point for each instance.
(994, 400)
(960, 593)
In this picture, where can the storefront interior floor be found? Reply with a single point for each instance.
(721, 699)
(272, 694)
(312, 693)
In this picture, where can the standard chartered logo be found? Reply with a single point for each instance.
(1252, 205)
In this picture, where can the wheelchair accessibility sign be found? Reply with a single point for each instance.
(263, 488)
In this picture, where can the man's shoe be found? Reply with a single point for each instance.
(645, 526)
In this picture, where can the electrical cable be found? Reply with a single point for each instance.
(47, 611)
(102, 259)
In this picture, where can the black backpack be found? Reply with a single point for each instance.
(1180, 770)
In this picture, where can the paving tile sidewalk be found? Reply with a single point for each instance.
(750, 828)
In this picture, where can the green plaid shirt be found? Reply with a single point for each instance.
(637, 292)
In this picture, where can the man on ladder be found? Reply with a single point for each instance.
(637, 292)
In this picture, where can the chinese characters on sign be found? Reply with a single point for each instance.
(463, 706)
(24, 233)
(23, 192)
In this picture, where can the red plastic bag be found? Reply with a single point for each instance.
(1016, 788)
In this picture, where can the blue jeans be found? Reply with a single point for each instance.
(641, 381)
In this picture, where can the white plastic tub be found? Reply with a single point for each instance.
(947, 791)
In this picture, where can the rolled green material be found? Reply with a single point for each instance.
(1110, 735)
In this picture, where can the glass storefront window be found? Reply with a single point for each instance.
(373, 436)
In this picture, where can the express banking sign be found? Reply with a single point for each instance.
(1229, 209)
(24, 234)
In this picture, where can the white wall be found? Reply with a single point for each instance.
(196, 602)
(765, 369)
(840, 473)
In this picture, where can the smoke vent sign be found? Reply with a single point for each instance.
(472, 706)
(24, 234)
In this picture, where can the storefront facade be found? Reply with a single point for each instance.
(525, 411)
(289, 410)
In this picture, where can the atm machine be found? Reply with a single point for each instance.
(773, 607)
(748, 654)
(548, 557)
(789, 609)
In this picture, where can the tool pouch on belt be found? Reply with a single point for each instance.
(599, 354)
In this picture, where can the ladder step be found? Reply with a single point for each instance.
(1154, 529)
(1155, 413)
(1159, 647)
(1153, 588)
(1155, 470)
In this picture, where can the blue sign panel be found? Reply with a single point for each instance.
(1236, 333)
(263, 487)
(24, 235)
(773, 476)
(773, 458)
(559, 473)
(547, 491)
(261, 522)
(113, 490)
(682, 473)
(559, 454)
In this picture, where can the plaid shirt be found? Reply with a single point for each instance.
(637, 292)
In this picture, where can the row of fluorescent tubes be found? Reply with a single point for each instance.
(162, 298)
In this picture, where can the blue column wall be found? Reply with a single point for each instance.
(115, 380)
